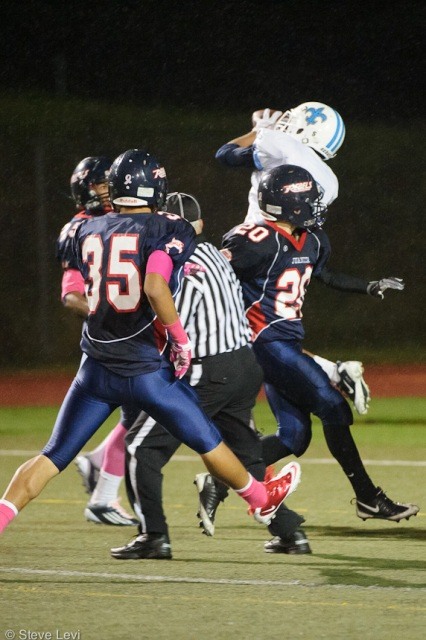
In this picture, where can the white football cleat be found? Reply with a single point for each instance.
(353, 384)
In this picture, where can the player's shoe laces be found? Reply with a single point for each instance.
(88, 472)
(208, 501)
(278, 489)
(353, 384)
(384, 508)
(297, 544)
(112, 514)
(150, 546)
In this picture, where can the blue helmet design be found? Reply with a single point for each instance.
(316, 125)
(289, 193)
(137, 179)
(89, 172)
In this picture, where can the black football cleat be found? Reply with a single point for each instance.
(383, 508)
(147, 546)
(297, 544)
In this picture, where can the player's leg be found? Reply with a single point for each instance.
(175, 405)
(305, 384)
(80, 416)
(104, 505)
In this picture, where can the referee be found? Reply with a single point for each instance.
(226, 377)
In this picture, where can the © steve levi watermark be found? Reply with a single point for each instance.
(30, 634)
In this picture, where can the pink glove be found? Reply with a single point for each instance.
(180, 353)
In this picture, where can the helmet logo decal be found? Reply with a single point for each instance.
(159, 173)
(297, 187)
(128, 179)
(315, 115)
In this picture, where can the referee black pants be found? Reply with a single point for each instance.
(227, 386)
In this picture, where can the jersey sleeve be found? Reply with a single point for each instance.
(64, 243)
(247, 257)
(324, 252)
(335, 279)
(232, 155)
(173, 235)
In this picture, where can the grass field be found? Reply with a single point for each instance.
(363, 580)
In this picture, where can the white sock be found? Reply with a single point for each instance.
(106, 490)
(329, 367)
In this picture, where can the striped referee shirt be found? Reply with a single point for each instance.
(210, 304)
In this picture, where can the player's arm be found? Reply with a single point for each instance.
(73, 294)
(76, 303)
(352, 284)
(157, 290)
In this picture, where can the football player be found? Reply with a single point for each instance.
(307, 136)
(135, 348)
(102, 469)
(275, 261)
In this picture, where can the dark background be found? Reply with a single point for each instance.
(182, 78)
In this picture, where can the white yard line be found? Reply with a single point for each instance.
(189, 458)
(195, 580)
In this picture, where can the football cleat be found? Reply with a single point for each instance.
(278, 489)
(384, 508)
(88, 471)
(297, 544)
(112, 514)
(269, 473)
(353, 384)
(208, 501)
(148, 546)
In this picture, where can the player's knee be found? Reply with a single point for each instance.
(301, 443)
(334, 409)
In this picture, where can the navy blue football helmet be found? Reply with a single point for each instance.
(289, 193)
(137, 179)
(89, 172)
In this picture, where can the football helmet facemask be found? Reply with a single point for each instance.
(90, 171)
(316, 125)
(137, 179)
(290, 194)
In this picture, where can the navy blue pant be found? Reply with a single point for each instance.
(296, 387)
(96, 392)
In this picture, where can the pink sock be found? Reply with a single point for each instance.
(254, 493)
(8, 512)
(114, 457)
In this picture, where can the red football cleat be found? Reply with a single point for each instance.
(269, 473)
(278, 489)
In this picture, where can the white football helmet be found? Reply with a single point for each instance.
(316, 125)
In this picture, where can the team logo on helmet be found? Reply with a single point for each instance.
(315, 115)
(297, 187)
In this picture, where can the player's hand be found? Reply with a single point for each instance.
(377, 288)
(265, 119)
(180, 356)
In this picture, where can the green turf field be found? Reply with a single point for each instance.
(363, 580)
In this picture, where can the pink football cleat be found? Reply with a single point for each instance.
(278, 489)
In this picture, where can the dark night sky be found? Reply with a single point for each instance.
(364, 58)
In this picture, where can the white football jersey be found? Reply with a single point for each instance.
(274, 148)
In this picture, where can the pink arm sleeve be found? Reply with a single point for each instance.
(161, 263)
(72, 280)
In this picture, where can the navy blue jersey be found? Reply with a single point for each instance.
(64, 251)
(274, 269)
(112, 252)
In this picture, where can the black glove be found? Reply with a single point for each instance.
(378, 287)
